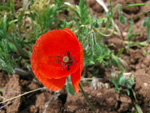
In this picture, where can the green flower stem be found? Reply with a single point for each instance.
(111, 9)
(87, 98)
(87, 36)
(133, 5)
(106, 35)
(139, 44)
(141, 14)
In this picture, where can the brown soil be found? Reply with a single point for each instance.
(105, 100)
(4, 79)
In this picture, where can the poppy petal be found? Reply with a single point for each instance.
(51, 45)
(72, 33)
(52, 84)
(75, 78)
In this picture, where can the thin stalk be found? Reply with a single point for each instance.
(87, 36)
(106, 35)
(141, 15)
(87, 98)
(111, 8)
(22, 95)
(133, 5)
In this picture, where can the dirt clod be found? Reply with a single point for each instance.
(12, 89)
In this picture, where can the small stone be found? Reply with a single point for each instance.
(99, 94)
(143, 66)
(124, 33)
(107, 85)
(145, 84)
(133, 109)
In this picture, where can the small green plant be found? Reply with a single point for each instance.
(148, 29)
(121, 17)
(146, 22)
(131, 35)
(124, 81)
(146, 52)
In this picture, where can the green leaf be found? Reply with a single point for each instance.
(12, 5)
(148, 28)
(133, 5)
(91, 62)
(5, 24)
(70, 89)
(95, 23)
(128, 92)
(12, 47)
(11, 22)
(113, 80)
(83, 12)
(122, 19)
(130, 31)
(120, 52)
(1, 90)
(97, 48)
(4, 8)
(20, 17)
(122, 81)
(102, 20)
(120, 75)
(144, 23)
(29, 53)
(116, 61)
(138, 108)
(72, 7)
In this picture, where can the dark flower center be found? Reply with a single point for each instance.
(65, 60)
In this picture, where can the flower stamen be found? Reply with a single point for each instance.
(65, 59)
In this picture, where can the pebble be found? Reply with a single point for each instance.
(107, 85)
(124, 33)
(145, 84)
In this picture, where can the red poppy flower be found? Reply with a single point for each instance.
(56, 55)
